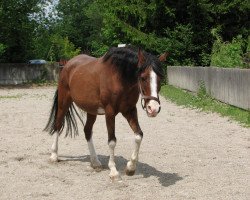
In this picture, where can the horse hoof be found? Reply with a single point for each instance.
(115, 178)
(129, 172)
(97, 168)
(53, 158)
(96, 165)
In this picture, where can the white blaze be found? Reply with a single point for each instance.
(153, 83)
(153, 106)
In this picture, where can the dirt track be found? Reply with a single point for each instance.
(185, 154)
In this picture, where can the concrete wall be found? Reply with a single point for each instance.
(231, 86)
(18, 73)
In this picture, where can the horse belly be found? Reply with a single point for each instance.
(86, 98)
(90, 103)
(90, 107)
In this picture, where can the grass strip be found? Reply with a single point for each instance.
(205, 103)
(11, 96)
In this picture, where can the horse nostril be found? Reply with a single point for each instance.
(149, 108)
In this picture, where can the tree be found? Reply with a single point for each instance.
(183, 28)
(227, 54)
(17, 26)
(2, 48)
(61, 48)
(73, 21)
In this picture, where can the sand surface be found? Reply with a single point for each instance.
(185, 154)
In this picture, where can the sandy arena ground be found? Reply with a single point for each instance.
(185, 154)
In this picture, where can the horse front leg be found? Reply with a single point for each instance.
(110, 121)
(95, 163)
(132, 119)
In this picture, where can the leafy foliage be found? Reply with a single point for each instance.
(183, 28)
(2, 48)
(17, 27)
(73, 21)
(61, 48)
(226, 54)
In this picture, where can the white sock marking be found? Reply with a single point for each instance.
(113, 171)
(54, 148)
(100, 111)
(93, 157)
(131, 165)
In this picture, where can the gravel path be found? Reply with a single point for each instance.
(185, 154)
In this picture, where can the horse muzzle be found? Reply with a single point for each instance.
(152, 107)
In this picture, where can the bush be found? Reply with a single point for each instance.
(227, 54)
(62, 48)
(2, 49)
(246, 56)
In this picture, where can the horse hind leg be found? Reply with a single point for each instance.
(95, 163)
(63, 103)
(54, 149)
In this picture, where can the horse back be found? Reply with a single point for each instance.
(79, 60)
(72, 64)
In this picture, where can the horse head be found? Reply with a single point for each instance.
(149, 80)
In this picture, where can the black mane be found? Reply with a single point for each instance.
(126, 61)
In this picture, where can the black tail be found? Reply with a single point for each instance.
(69, 118)
(51, 125)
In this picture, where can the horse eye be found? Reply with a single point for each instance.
(143, 79)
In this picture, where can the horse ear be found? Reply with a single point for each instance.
(141, 58)
(163, 57)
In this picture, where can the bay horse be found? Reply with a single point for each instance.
(106, 86)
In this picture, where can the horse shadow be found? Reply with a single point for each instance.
(164, 178)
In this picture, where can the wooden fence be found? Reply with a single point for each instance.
(18, 73)
(231, 86)
(228, 85)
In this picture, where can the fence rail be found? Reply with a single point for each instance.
(18, 73)
(231, 86)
